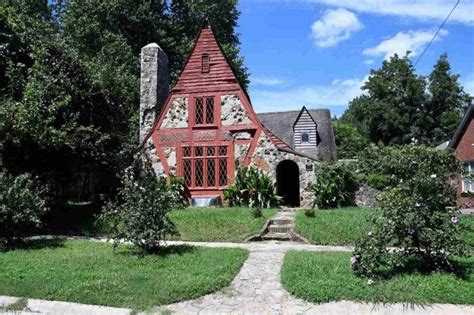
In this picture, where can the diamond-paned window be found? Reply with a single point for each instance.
(204, 111)
(205, 166)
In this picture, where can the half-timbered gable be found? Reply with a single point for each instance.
(207, 129)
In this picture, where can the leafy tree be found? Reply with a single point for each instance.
(394, 97)
(349, 142)
(447, 102)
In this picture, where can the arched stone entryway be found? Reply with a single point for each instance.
(288, 182)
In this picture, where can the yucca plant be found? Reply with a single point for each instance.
(252, 188)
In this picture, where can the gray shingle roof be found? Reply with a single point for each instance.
(281, 124)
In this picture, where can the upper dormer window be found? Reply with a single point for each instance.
(205, 63)
(304, 137)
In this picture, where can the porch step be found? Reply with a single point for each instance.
(276, 236)
(283, 221)
(280, 228)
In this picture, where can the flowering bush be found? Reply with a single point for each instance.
(21, 208)
(335, 185)
(413, 219)
(141, 213)
(252, 188)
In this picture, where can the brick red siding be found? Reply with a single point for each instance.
(465, 152)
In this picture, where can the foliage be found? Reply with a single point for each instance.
(412, 218)
(326, 276)
(141, 216)
(401, 107)
(252, 188)
(386, 167)
(349, 141)
(310, 213)
(256, 212)
(70, 82)
(91, 273)
(335, 185)
(218, 224)
(21, 208)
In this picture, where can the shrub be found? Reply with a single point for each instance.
(413, 218)
(140, 215)
(252, 188)
(386, 167)
(335, 185)
(310, 213)
(21, 208)
(256, 212)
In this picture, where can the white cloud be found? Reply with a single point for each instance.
(468, 84)
(413, 41)
(420, 9)
(266, 81)
(369, 61)
(334, 26)
(337, 93)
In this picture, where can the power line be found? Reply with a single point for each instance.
(436, 34)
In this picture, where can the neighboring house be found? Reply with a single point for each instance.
(463, 145)
(207, 129)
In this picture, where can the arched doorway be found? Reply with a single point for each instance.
(288, 182)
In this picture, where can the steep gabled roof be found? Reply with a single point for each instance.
(221, 74)
(303, 109)
(462, 127)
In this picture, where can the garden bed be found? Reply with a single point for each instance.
(218, 224)
(324, 277)
(93, 273)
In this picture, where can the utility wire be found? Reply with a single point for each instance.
(436, 34)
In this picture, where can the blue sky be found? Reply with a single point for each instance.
(319, 52)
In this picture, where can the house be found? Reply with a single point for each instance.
(206, 128)
(463, 144)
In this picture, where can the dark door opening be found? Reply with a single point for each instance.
(288, 183)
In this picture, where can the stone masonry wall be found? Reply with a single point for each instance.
(266, 157)
(232, 111)
(177, 116)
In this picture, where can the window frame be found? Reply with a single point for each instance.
(215, 112)
(303, 134)
(465, 181)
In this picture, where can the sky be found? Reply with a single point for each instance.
(318, 53)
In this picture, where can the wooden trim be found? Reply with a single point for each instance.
(253, 145)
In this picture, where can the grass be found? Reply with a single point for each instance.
(334, 227)
(92, 273)
(345, 226)
(218, 224)
(323, 277)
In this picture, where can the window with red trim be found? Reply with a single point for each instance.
(205, 166)
(204, 111)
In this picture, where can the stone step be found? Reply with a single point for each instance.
(276, 236)
(282, 221)
(280, 228)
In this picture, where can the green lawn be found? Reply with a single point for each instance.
(323, 277)
(345, 226)
(92, 273)
(334, 227)
(218, 224)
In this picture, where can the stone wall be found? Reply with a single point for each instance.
(266, 157)
(365, 197)
(155, 161)
(177, 115)
(170, 154)
(232, 111)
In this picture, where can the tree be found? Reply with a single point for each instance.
(349, 142)
(447, 102)
(394, 97)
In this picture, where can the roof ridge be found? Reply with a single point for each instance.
(292, 111)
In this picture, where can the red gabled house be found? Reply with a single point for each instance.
(207, 128)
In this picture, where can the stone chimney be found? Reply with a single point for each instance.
(154, 86)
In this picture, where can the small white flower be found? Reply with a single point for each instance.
(370, 282)
(401, 180)
(433, 176)
(370, 233)
(417, 204)
(454, 219)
